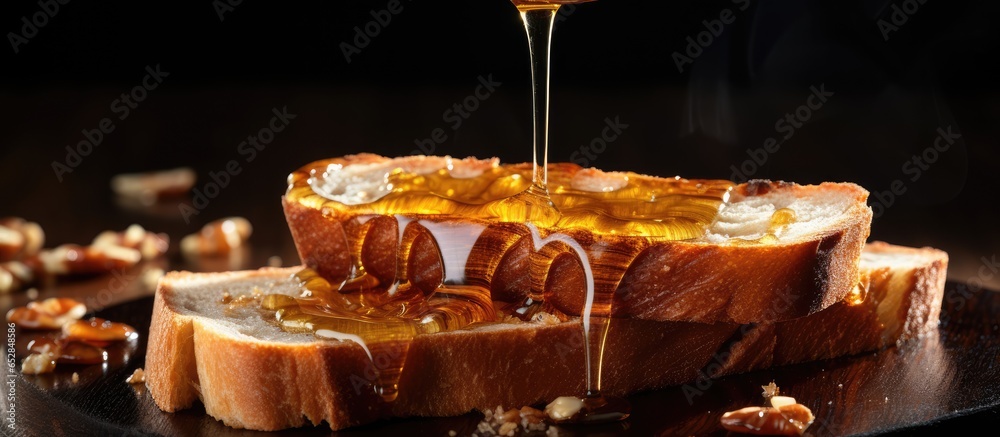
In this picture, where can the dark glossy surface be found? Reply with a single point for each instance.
(943, 382)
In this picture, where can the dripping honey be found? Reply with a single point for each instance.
(383, 311)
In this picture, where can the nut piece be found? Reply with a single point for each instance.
(137, 377)
(19, 238)
(791, 420)
(50, 313)
(35, 364)
(564, 407)
(152, 186)
(99, 330)
(150, 245)
(14, 275)
(218, 238)
(71, 259)
(76, 352)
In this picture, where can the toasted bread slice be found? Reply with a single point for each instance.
(731, 272)
(250, 374)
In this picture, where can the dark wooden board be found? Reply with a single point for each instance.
(943, 382)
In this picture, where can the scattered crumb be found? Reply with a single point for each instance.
(226, 297)
(36, 364)
(452, 433)
(76, 377)
(137, 377)
(771, 390)
(513, 422)
(274, 261)
(32, 293)
(840, 385)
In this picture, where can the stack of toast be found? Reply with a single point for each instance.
(779, 274)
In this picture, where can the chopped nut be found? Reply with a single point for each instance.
(218, 238)
(791, 420)
(564, 407)
(532, 415)
(14, 275)
(137, 377)
(150, 245)
(152, 186)
(71, 259)
(98, 329)
(782, 401)
(50, 313)
(36, 364)
(19, 238)
(511, 415)
(508, 428)
(76, 352)
(785, 416)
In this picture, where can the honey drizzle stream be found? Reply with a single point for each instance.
(538, 19)
(386, 314)
(538, 24)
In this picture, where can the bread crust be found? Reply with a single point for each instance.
(695, 281)
(249, 383)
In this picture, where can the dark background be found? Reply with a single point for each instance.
(613, 58)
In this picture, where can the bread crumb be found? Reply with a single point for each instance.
(137, 377)
(452, 433)
(524, 421)
(76, 377)
(32, 293)
(274, 261)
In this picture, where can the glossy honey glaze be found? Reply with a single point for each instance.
(471, 242)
